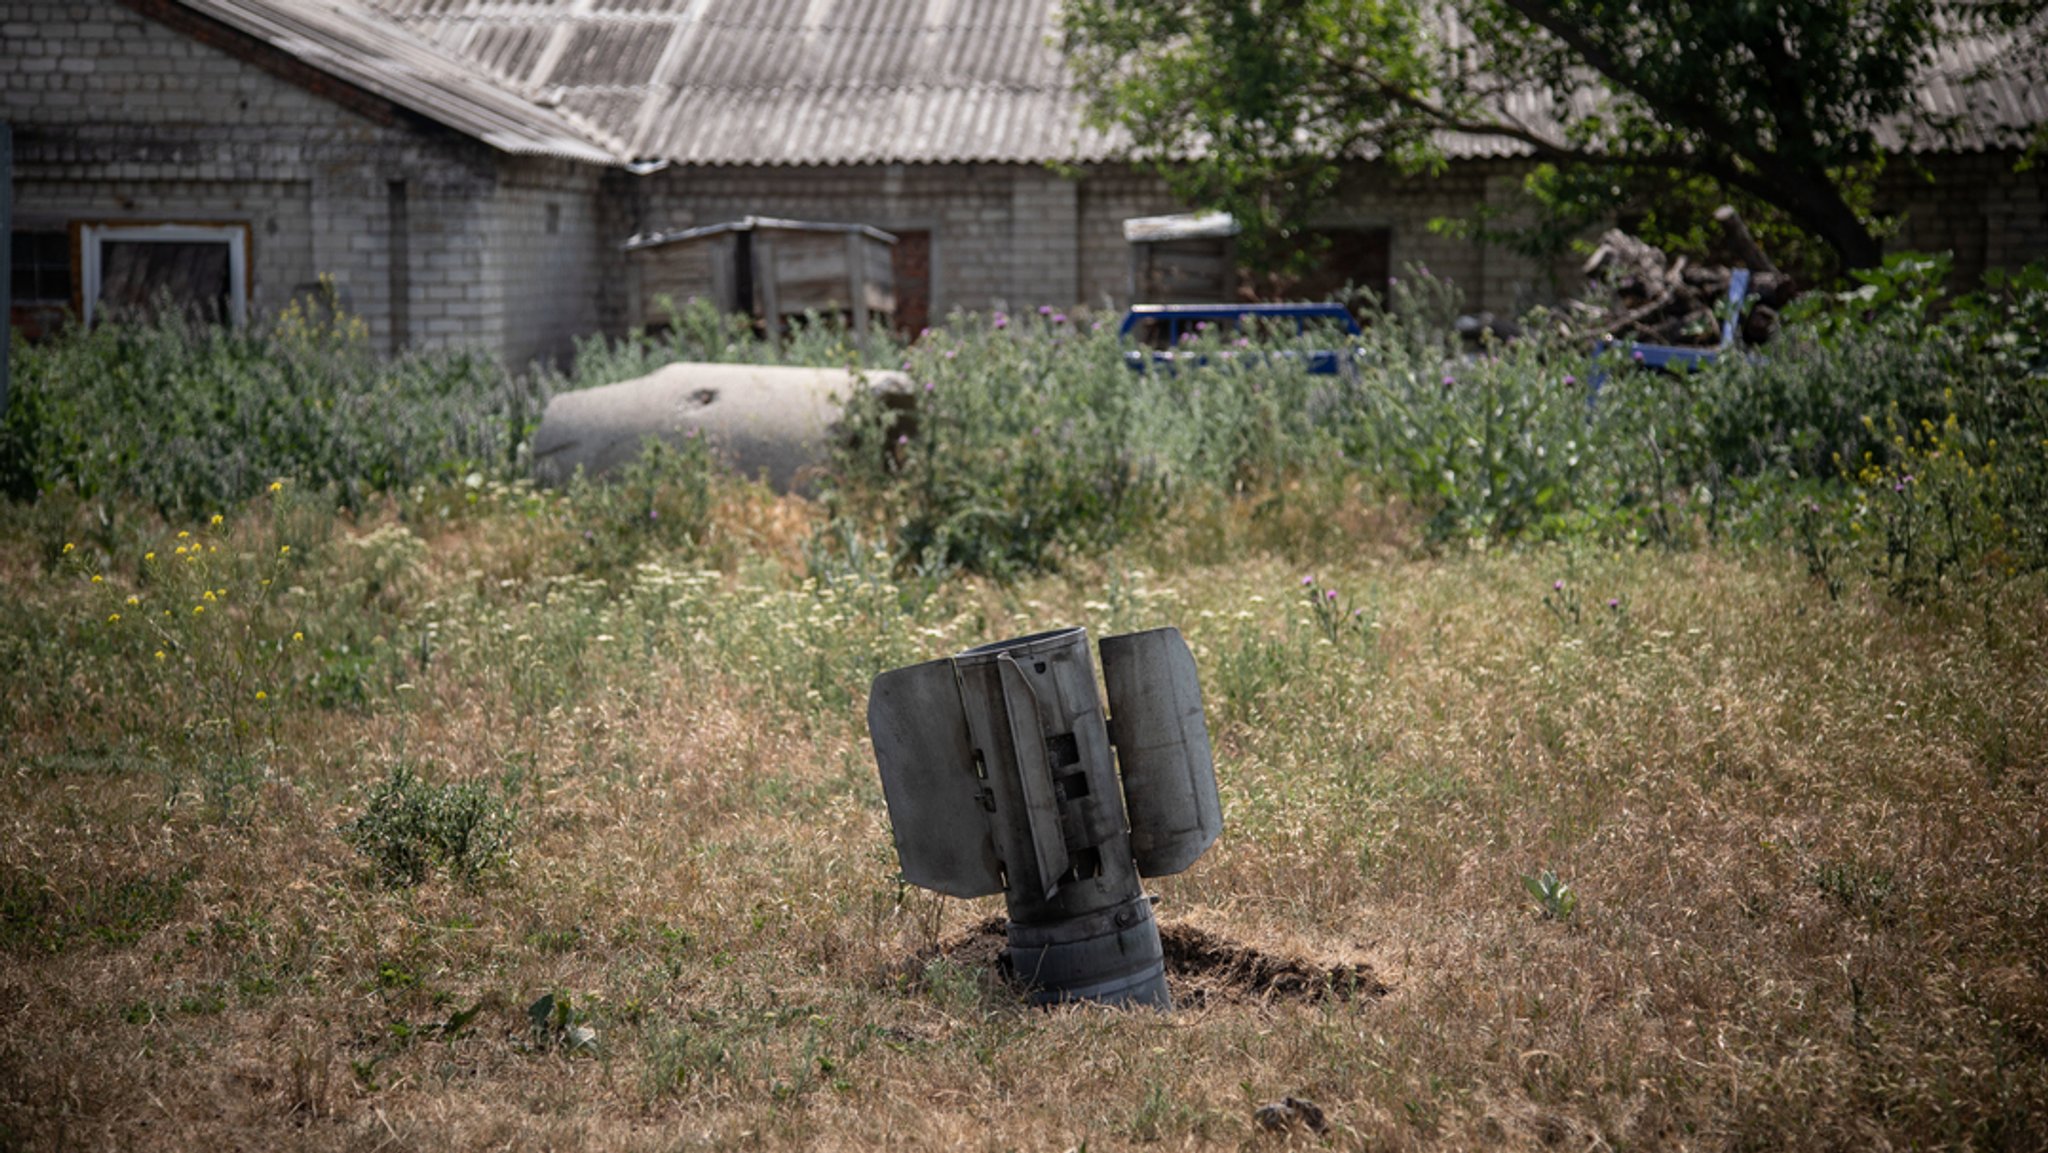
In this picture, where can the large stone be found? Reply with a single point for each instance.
(768, 421)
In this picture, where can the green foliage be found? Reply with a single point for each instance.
(114, 911)
(192, 418)
(1257, 110)
(1031, 440)
(411, 827)
(661, 501)
(698, 332)
(554, 1023)
(1556, 899)
(1893, 430)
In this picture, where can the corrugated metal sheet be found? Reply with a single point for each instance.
(809, 82)
(351, 44)
(779, 82)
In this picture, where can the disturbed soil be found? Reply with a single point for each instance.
(1202, 968)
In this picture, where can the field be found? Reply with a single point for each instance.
(450, 813)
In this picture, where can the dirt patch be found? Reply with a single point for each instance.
(1202, 968)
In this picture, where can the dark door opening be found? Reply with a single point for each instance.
(911, 262)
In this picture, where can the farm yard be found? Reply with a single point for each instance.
(1655, 766)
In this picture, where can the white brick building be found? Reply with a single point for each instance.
(465, 170)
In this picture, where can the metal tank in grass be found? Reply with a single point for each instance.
(1002, 775)
(775, 422)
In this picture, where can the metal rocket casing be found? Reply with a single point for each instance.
(1002, 775)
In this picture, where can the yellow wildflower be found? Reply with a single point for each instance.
(298, 636)
(261, 695)
(277, 486)
(197, 609)
(96, 579)
(181, 550)
(68, 546)
(216, 520)
(284, 550)
(149, 556)
(159, 654)
(134, 600)
(183, 534)
(113, 618)
(207, 595)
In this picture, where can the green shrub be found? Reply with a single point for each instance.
(192, 418)
(1032, 440)
(660, 502)
(411, 827)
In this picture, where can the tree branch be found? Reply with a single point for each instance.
(1544, 147)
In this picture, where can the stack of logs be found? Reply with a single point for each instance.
(1674, 302)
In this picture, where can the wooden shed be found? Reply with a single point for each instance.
(1189, 258)
(769, 269)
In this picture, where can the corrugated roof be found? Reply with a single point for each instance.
(352, 44)
(822, 82)
(780, 82)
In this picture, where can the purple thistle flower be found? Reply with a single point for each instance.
(1045, 310)
(1639, 356)
(1569, 379)
(1449, 380)
(1614, 602)
(1307, 581)
(1002, 320)
(1557, 586)
(1330, 595)
(1059, 318)
(929, 386)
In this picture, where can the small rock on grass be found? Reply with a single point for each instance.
(1290, 1113)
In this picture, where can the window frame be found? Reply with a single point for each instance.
(93, 234)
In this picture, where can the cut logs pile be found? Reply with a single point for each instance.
(1658, 300)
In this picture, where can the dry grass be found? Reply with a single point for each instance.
(1806, 838)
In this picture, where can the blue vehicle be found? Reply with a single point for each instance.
(1163, 326)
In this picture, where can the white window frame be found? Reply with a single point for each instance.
(235, 236)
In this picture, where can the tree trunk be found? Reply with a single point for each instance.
(1816, 203)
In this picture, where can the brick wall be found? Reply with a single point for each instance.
(545, 254)
(1022, 235)
(1971, 204)
(118, 116)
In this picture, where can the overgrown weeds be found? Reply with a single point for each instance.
(566, 840)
